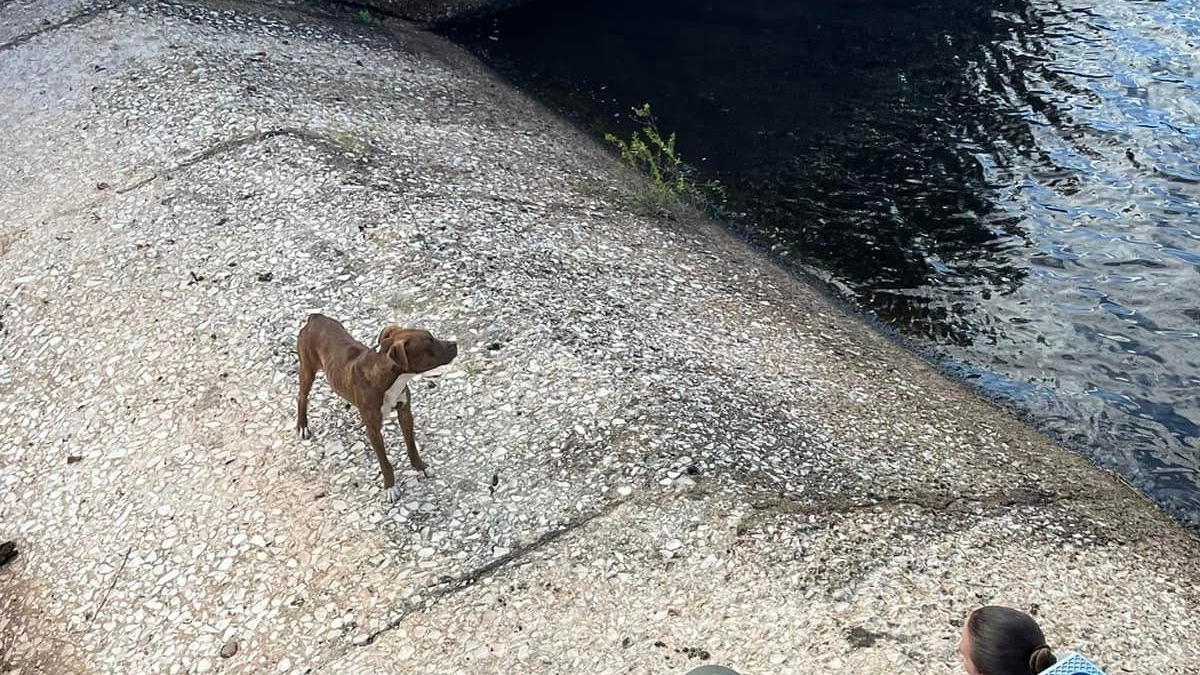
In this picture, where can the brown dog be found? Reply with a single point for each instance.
(375, 382)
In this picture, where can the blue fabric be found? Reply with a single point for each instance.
(1072, 664)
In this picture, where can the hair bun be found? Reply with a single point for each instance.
(1040, 659)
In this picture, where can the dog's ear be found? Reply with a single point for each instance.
(398, 354)
(385, 336)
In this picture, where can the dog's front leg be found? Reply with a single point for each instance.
(404, 414)
(373, 421)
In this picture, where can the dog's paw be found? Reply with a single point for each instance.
(392, 494)
(303, 433)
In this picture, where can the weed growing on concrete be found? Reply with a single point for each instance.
(671, 180)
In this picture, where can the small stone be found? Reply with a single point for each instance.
(426, 552)
(624, 490)
(361, 639)
(229, 649)
(285, 665)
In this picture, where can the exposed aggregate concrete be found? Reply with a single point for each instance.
(656, 448)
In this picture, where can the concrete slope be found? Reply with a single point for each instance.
(657, 448)
(422, 11)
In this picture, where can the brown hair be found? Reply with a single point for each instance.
(1005, 641)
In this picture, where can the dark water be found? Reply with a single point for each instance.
(1016, 184)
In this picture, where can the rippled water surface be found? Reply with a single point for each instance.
(1016, 185)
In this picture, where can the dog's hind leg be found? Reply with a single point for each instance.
(308, 373)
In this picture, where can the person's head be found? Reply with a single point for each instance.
(1003, 641)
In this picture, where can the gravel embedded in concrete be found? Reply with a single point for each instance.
(655, 449)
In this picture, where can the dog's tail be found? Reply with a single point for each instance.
(315, 316)
(307, 324)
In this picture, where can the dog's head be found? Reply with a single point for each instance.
(415, 350)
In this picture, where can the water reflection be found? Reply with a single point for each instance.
(1018, 183)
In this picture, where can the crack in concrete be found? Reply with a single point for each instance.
(945, 504)
(81, 18)
(334, 147)
(452, 585)
(328, 144)
(115, 577)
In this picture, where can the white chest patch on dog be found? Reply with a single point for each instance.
(396, 394)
